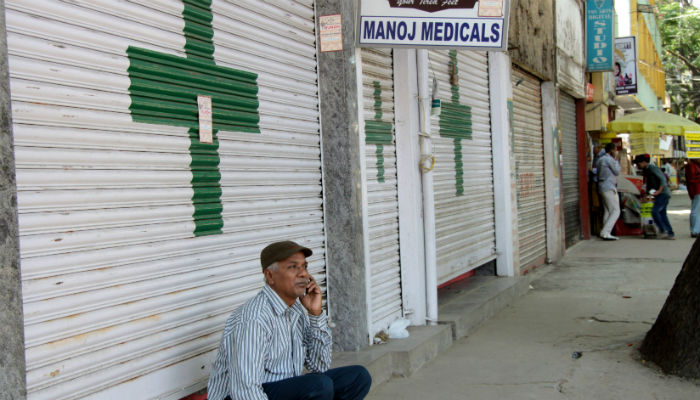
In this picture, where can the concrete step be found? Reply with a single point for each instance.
(399, 357)
(462, 308)
(469, 303)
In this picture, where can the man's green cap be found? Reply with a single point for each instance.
(279, 251)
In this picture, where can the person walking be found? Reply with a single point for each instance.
(608, 170)
(692, 180)
(657, 186)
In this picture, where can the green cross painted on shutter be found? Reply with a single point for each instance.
(379, 132)
(456, 122)
(164, 91)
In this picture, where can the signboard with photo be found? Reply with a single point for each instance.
(625, 65)
(465, 24)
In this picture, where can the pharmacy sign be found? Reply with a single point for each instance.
(465, 24)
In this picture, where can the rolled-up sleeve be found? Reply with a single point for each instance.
(246, 361)
(317, 340)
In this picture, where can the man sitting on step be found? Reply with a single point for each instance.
(268, 340)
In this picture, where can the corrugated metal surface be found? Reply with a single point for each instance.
(529, 165)
(382, 195)
(569, 147)
(463, 175)
(136, 241)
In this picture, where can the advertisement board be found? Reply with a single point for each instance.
(465, 24)
(625, 65)
(692, 145)
(600, 19)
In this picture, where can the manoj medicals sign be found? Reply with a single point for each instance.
(467, 24)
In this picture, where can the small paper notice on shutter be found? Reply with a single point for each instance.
(205, 119)
(330, 32)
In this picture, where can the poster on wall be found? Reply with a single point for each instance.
(599, 35)
(625, 65)
(464, 24)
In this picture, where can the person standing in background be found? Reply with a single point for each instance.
(597, 209)
(657, 186)
(608, 170)
(692, 179)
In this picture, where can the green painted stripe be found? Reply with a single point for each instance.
(380, 163)
(459, 170)
(377, 101)
(187, 72)
(379, 132)
(165, 93)
(454, 71)
(206, 179)
(456, 122)
(153, 107)
(198, 31)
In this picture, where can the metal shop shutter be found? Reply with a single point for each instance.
(463, 175)
(137, 241)
(529, 168)
(382, 196)
(569, 147)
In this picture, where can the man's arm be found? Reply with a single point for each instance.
(245, 361)
(317, 340)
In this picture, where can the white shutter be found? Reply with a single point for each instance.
(569, 147)
(529, 168)
(121, 298)
(463, 178)
(382, 196)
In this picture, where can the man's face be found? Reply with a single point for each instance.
(290, 279)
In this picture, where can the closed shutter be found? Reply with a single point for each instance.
(569, 147)
(463, 174)
(136, 240)
(382, 195)
(529, 167)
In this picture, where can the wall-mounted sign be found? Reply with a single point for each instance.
(470, 24)
(625, 65)
(330, 32)
(205, 119)
(599, 35)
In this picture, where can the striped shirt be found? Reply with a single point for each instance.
(264, 341)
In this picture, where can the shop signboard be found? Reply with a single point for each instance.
(464, 24)
(692, 145)
(625, 65)
(599, 35)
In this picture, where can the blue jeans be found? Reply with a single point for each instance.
(695, 215)
(658, 212)
(344, 383)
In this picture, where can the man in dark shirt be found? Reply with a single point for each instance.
(657, 186)
(692, 179)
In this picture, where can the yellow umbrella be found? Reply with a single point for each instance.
(653, 121)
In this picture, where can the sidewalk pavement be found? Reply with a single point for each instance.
(599, 301)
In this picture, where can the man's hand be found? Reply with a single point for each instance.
(312, 300)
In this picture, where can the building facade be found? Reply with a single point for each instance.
(137, 235)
